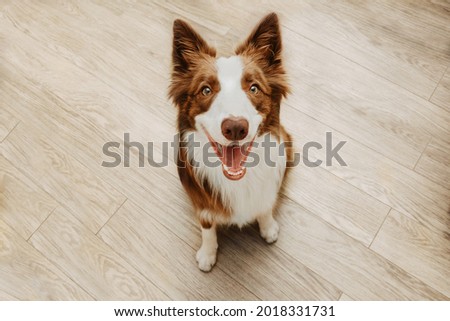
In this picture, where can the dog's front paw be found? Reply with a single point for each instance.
(206, 259)
(270, 232)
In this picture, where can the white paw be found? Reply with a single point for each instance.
(270, 233)
(206, 259)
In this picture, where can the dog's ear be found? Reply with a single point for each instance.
(264, 47)
(264, 41)
(187, 46)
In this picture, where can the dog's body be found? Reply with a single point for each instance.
(231, 106)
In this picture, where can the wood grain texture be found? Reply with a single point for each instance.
(7, 297)
(23, 205)
(242, 267)
(246, 255)
(61, 176)
(77, 74)
(95, 266)
(434, 162)
(26, 274)
(345, 297)
(92, 102)
(417, 249)
(83, 55)
(165, 258)
(7, 122)
(441, 96)
(376, 175)
(354, 268)
(337, 202)
(339, 93)
(431, 12)
(84, 137)
(387, 41)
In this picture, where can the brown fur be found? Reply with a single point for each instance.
(263, 47)
(192, 64)
(194, 67)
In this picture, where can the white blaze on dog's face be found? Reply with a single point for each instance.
(229, 101)
(232, 121)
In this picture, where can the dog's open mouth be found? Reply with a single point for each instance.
(232, 156)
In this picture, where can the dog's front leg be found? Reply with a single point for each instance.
(206, 255)
(268, 227)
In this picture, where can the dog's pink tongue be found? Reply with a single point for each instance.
(232, 157)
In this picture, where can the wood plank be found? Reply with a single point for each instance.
(410, 21)
(340, 94)
(431, 12)
(61, 176)
(25, 274)
(394, 45)
(7, 297)
(85, 258)
(377, 128)
(23, 205)
(108, 60)
(83, 93)
(356, 270)
(159, 254)
(7, 123)
(374, 174)
(441, 95)
(415, 248)
(345, 297)
(344, 206)
(267, 271)
(434, 163)
(48, 112)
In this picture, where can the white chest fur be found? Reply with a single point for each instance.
(253, 195)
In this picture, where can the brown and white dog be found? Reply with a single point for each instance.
(231, 106)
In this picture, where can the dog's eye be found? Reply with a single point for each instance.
(206, 91)
(254, 89)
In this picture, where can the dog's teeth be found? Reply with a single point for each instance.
(235, 173)
(232, 172)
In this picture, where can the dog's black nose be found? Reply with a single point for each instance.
(235, 128)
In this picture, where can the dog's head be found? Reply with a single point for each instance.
(229, 100)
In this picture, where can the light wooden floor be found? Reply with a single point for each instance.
(74, 75)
